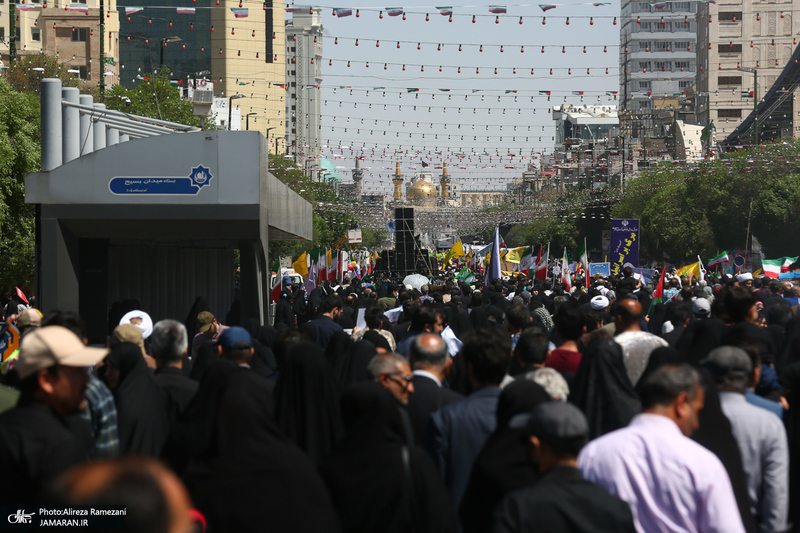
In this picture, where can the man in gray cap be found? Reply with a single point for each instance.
(561, 500)
(761, 437)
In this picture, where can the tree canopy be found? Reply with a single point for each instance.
(154, 97)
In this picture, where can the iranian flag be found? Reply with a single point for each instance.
(541, 263)
(658, 294)
(584, 260)
(333, 265)
(527, 260)
(718, 260)
(774, 267)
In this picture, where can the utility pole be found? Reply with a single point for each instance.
(12, 32)
(102, 84)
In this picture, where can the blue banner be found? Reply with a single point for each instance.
(599, 269)
(162, 185)
(624, 243)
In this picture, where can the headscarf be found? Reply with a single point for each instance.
(307, 400)
(716, 434)
(504, 463)
(659, 357)
(336, 351)
(200, 304)
(479, 319)
(266, 336)
(366, 476)
(142, 406)
(602, 389)
(206, 355)
(263, 362)
(251, 472)
(353, 368)
(700, 337)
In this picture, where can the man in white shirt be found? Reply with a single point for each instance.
(671, 483)
(637, 345)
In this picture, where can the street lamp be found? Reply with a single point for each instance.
(755, 101)
(164, 41)
(247, 120)
(230, 108)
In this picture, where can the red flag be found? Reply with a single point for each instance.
(658, 294)
(21, 295)
(276, 290)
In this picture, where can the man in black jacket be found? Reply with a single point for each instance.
(168, 346)
(561, 500)
(431, 364)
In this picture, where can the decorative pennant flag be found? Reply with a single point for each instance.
(510, 91)
(80, 9)
(445, 10)
(445, 90)
(497, 9)
(394, 11)
(718, 260)
(612, 93)
(541, 93)
(774, 267)
(186, 10)
(577, 93)
(658, 5)
(747, 94)
(131, 10)
(296, 9)
(312, 86)
(240, 12)
(547, 7)
(598, 4)
(412, 90)
(26, 7)
(378, 88)
(342, 11)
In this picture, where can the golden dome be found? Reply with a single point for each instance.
(421, 190)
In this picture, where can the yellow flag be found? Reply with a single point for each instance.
(693, 269)
(300, 266)
(457, 250)
(514, 255)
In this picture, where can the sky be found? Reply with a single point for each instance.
(375, 124)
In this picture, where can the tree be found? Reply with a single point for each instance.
(20, 152)
(155, 97)
(26, 73)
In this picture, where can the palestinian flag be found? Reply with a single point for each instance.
(658, 294)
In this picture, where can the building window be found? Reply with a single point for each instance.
(645, 104)
(663, 65)
(645, 26)
(645, 85)
(684, 84)
(729, 80)
(80, 35)
(644, 65)
(666, 27)
(36, 34)
(83, 72)
(682, 26)
(680, 6)
(729, 48)
(2, 33)
(663, 46)
(685, 65)
(729, 113)
(730, 16)
(681, 44)
(78, 1)
(644, 45)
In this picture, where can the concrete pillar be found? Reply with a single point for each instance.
(71, 127)
(112, 136)
(87, 129)
(59, 272)
(52, 148)
(99, 130)
(123, 137)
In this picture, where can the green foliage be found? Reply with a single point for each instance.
(155, 98)
(701, 211)
(558, 231)
(24, 75)
(19, 153)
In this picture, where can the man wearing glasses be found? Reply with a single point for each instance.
(393, 372)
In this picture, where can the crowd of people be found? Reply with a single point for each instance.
(512, 407)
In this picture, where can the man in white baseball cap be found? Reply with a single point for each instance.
(37, 444)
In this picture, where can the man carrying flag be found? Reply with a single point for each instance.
(658, 294)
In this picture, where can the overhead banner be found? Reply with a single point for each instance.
(624, 243)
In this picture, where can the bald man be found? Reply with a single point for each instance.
(637, 345)
(155, 498)
(431, 363)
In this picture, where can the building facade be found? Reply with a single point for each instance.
(657, 51)
(303, 80)
(743, 46)
(68, 30)
(238, 50)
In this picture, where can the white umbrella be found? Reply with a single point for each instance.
(416, 281)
